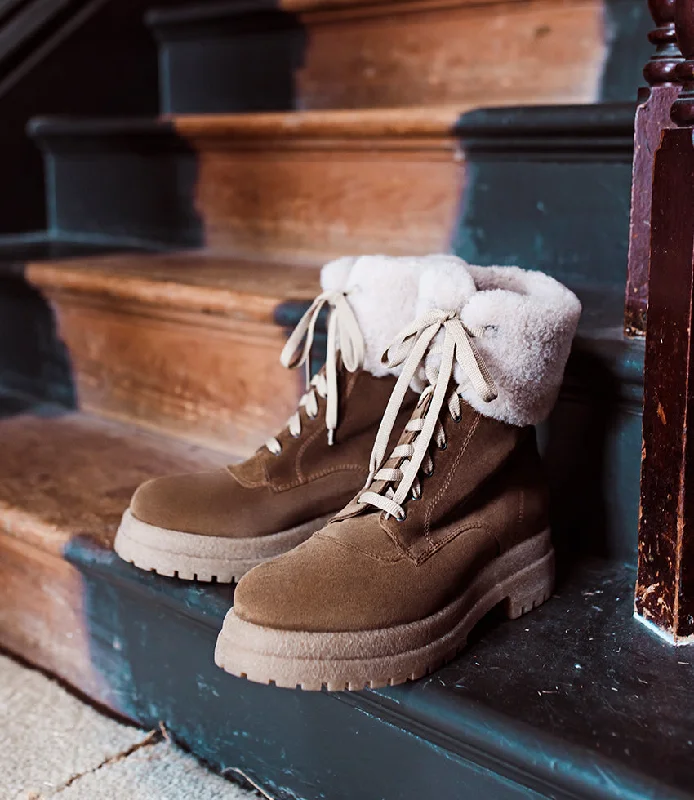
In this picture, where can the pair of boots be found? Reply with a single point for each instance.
(404, 500)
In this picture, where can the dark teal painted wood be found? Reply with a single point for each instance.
(549, 189)
(575, 700)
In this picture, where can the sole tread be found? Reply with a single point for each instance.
(354, 662)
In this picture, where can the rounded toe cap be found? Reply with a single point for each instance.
(199, 502)
(319, 587)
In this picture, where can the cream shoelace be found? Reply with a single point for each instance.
(344, 339)
(410, 349)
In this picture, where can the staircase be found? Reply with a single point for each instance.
(142, 333)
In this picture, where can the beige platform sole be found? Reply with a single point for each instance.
(521, 579)
(190, 556)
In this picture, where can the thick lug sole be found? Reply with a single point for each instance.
(521, 580)
(190, 556)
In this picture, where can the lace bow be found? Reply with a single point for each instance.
(344, 339)
(409, 350)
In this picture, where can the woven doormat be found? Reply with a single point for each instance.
(52, 745)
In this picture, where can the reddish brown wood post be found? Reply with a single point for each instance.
(652, 115)
(665, 587)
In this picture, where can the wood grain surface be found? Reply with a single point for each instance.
(184, 344)
(309, 187)
(62, 478)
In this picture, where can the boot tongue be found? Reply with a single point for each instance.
(345, 342)
(410, 350)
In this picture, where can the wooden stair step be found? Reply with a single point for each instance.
(575, 700)
(185, 343)
(63, 479)
(143, 645)
(300, 187)
(352, 54)
(32, 360)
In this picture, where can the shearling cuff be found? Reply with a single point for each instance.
(382, 291)
(523, 322)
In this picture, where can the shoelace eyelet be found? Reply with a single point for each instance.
(442, 446)
(456, 419)
(429, 473)
(311, 416)
(402, 517)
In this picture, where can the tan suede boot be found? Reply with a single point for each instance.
(217, 525)
(451, 523)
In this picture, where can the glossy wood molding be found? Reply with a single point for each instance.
(185, 344)
(652, 117)
(308, 187)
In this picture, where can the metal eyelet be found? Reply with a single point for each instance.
(456, 419)
(428, 474)
(402, 517)
(442, 446)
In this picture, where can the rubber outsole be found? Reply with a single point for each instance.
(194, 557)
(521, 580)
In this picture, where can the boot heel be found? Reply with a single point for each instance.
(530, 587)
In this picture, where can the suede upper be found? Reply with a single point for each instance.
(270, 493)
(366, 570)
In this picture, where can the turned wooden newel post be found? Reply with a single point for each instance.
(665, 587)
(652, 115)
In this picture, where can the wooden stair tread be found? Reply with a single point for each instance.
(185, 280)
(416, 122)
(73, 475)
(273, 129)
(293, 188)
(197, 11)
(389, 53)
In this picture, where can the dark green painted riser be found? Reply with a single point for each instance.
(511, 718)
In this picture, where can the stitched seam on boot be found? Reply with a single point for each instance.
(436, 546)
(354, 548)
(447, 483)
(351, 382)
(314, 476)
(521, 514)
(309, 440)
(251, 484)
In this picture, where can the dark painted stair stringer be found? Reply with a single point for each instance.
(85, 57)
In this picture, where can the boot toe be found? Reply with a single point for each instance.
(201, 503)
(317, 587)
